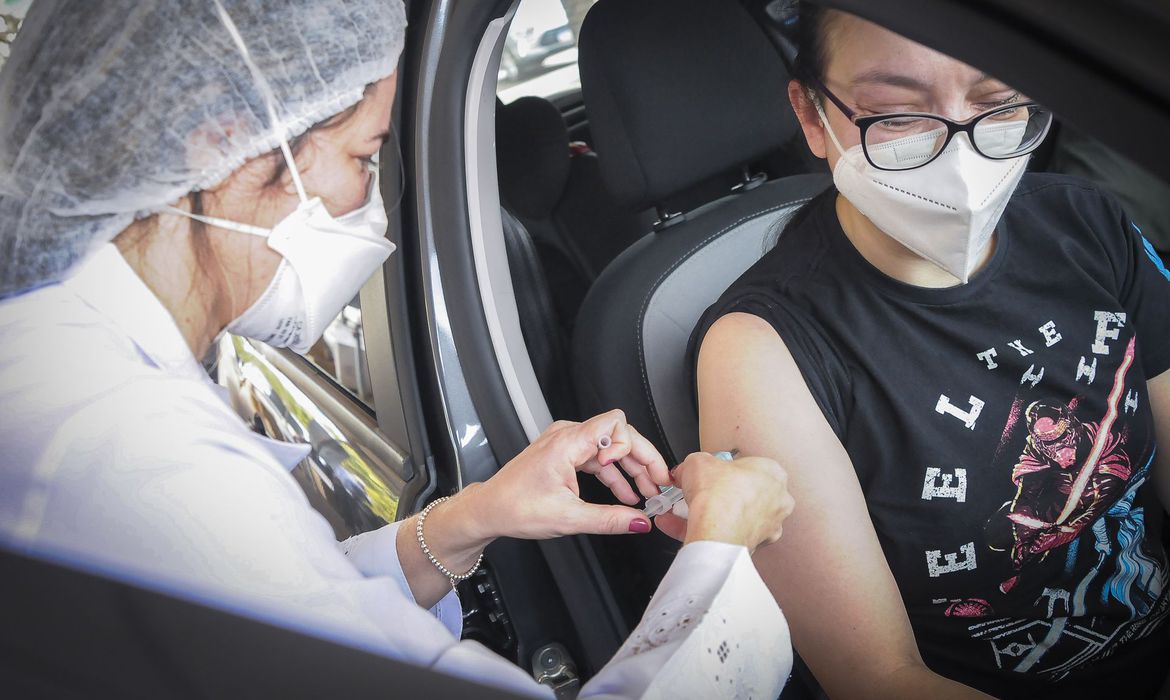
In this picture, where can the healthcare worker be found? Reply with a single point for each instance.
(171, 170)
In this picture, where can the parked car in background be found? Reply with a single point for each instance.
(539, 30)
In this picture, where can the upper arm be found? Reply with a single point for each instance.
(1159, 388)
(828, 571)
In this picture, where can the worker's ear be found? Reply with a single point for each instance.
(808, 116)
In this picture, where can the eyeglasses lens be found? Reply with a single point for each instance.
(904, 142)
(1012, 132)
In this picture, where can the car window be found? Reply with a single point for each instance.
(540, 52)
(12, 13)
(341, 353)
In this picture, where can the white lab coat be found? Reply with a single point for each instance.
(121, 456)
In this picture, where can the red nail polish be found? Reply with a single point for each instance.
(640, 526)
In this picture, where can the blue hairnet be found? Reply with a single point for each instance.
(111, 110)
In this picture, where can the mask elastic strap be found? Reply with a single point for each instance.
(267, 94)
(825, 123)
(222, 223)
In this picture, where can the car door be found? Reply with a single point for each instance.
(405, 399)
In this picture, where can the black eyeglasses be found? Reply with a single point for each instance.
(908, 140)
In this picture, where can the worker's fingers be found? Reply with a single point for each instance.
(645, 464)
(615, 482)
(614, 445)
(594, 519)
(672, 525)
(602, 440)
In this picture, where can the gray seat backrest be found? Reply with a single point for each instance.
(675, 305)
(679, 93)
(631, 339)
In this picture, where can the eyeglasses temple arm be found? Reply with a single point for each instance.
(820, 87)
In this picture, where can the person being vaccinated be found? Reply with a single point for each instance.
(963, 366)
(175, 170)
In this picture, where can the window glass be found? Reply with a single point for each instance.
(540, 53)
(341, 353)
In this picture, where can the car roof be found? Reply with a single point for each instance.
(1099, 65)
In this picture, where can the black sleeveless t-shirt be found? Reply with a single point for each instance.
(1001, 432)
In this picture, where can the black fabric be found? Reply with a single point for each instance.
(1145, 197)
(568, 280)
(1009, 378)
(542, 330)
(559, 198)
(532, 155)
(595, 227)
(679, 91)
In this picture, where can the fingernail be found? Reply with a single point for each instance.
(640, 526)
(608, 462)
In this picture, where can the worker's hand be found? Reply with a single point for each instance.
(740, 502)
(535, 496)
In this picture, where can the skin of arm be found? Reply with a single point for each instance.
(1159, 388)
(458, 543)
(535, 496)
(827, 572)
(531, 498)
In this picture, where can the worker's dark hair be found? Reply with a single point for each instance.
(812, 37)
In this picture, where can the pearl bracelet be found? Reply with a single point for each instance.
(454, 578)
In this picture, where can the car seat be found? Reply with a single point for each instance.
(556, 192)
(560, 228)
(678, 91)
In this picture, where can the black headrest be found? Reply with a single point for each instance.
(532, 155)
(678, 91)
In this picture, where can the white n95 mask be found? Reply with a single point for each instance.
(946, 210)
(325, 262)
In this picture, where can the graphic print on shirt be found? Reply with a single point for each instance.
(1070, 540)
(1071, 471)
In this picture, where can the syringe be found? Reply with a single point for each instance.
(657, 505)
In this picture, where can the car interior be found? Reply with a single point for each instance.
(629, 198)
(698, 168)
(631, 203)
(667, 128)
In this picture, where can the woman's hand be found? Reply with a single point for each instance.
(535, 496)
(740, 502)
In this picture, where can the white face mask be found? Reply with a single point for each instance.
(944, 211)
(325, 262)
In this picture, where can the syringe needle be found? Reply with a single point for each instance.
(665, 501)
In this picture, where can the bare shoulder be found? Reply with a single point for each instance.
(738, 327)
(752, 392)
(742, 341)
